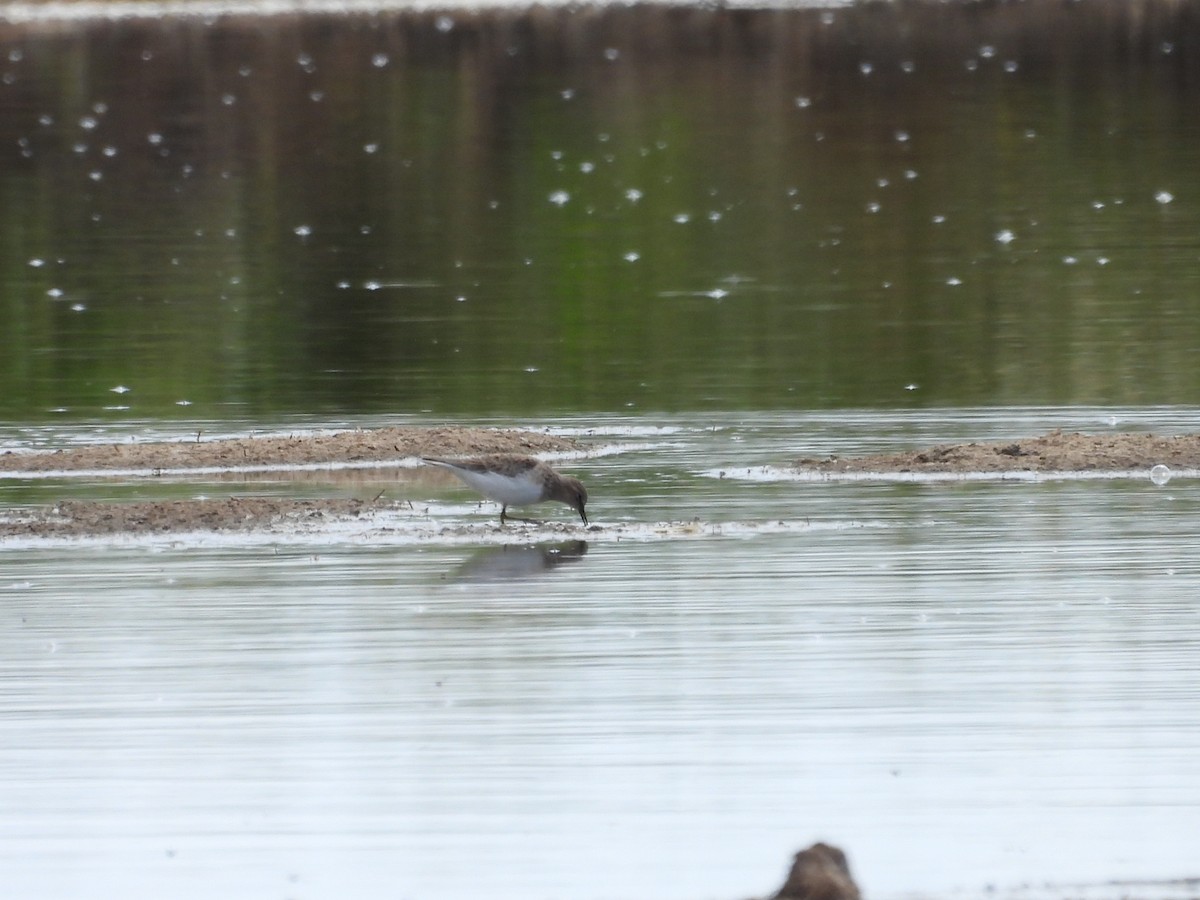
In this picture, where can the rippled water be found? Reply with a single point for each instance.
(963, 684)
(706, 241)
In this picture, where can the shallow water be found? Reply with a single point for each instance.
(964, 684)
(706, 241)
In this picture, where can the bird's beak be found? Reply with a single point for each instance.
(583, 515)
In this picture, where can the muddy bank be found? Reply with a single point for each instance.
(1054, 452)
(77, 518)
(375, 445)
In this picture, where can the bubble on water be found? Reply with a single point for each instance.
(612, 54)
(587, 167)
(87, 123)
(54, 293)
(154, 138)
(1167, 48)
(1164, 197)
(444, 24)
(1011, 65)
(1005, 236)
(1160, 474)
(78, 307)
(633, 195)
(987, 51)
(316, 96)
(874, 207)
(632, 256)
(717, 294)
(971, 65)
(910, 174)
(559, 198)
(228, 99)
(380, 60)
(902, 136)
(371, 285)
(120, 389)
(183, 402)
(302, 231)
(1103, 261)
(370, 148)
(908, 66)
(681, 218)
(912, 386)
(953, 282)
(866, 68)
(37, 262)
(567, 93)
(1070, 260)
(938, 219)
(803, 102)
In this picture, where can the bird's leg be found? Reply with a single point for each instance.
(505, 517)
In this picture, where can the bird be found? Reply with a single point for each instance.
(516, 481)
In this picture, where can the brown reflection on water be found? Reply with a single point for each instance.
(580, 209)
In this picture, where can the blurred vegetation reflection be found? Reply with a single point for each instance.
(573, 210)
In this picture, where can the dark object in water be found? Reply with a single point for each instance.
(819, 873)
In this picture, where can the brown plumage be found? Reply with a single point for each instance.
(516, 481)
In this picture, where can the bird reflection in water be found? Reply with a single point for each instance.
(516, 562)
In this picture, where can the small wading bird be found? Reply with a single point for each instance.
(516, 481)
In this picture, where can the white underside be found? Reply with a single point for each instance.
(509, 491)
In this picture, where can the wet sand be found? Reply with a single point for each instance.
(383, 445)
(1050, 453)
(77, 518)
(1054, 452)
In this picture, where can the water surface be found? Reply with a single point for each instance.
(964, 684)
(712, 239)
(576, 210)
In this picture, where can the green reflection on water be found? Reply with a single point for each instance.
(573, 211)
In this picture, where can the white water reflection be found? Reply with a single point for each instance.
(993, 683)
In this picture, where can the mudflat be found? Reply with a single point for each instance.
(386, 446)
(381, 445)
(1056, 451)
